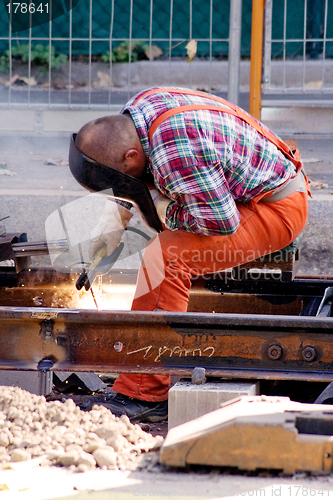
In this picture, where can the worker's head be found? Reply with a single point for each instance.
(113, 141)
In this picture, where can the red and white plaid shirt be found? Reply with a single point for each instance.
(205, 161)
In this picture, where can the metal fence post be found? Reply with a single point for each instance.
(257, 33)
(235, 28)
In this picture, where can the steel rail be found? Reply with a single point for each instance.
(226, 345)
(32, 249)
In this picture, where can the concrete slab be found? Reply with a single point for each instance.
(294, 119)
(317, 247)
(33, 382)
(188, 401)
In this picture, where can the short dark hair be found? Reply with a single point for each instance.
(107, 139)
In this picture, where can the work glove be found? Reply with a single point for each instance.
(161, 204)
(109, 228)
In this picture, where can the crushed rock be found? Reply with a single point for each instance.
(62, 434)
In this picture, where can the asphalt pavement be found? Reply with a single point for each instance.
(35, 181)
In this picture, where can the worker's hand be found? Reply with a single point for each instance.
(109, 228)
(161, 203)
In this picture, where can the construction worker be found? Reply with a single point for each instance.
(226, 189)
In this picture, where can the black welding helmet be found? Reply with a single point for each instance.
(97, 177)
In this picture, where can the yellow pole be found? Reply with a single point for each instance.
(257, 33)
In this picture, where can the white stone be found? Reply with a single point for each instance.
(69, 458)
(93, 445)
(105, 457)
(105, 432)
(19, 455)
(6, 438)
(87, 459)
(117, 442)
(82, 468)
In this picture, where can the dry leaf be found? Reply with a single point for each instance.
(153, 52)
(13, 80)
(6, 172)
(59, 85)
(318, 185)
(317, 84)
(104, 80)
(191, 49)
(28, 81)
(311, 160)
(58, 162)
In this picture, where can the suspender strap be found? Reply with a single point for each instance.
(228, 108)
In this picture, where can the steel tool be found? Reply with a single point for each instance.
(99, 265)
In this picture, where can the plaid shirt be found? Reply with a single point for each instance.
(205, 162)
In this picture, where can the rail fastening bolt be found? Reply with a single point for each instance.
(274, 351)
(198, 375)
(309, 353)
(118, 346)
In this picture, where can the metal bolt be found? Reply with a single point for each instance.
(198, 375)
(309, 353)
(45, 364)
(38, 301)
(274, 351)
(118, 346)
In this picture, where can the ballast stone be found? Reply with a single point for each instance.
(61, 433)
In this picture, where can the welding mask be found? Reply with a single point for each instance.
(97, 177)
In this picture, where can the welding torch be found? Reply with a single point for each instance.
(99, 264)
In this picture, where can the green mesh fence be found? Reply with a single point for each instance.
(294, 31)
(170, 24)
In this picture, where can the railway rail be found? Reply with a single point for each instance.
(257, 329)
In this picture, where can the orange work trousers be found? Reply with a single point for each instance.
(172, 258)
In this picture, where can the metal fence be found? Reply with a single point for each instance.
(97, 53)
(94, 54)
(298, 47)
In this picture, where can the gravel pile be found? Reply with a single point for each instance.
(63, 434)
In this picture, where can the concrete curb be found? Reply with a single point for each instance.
(316, 248)
(301, 107)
